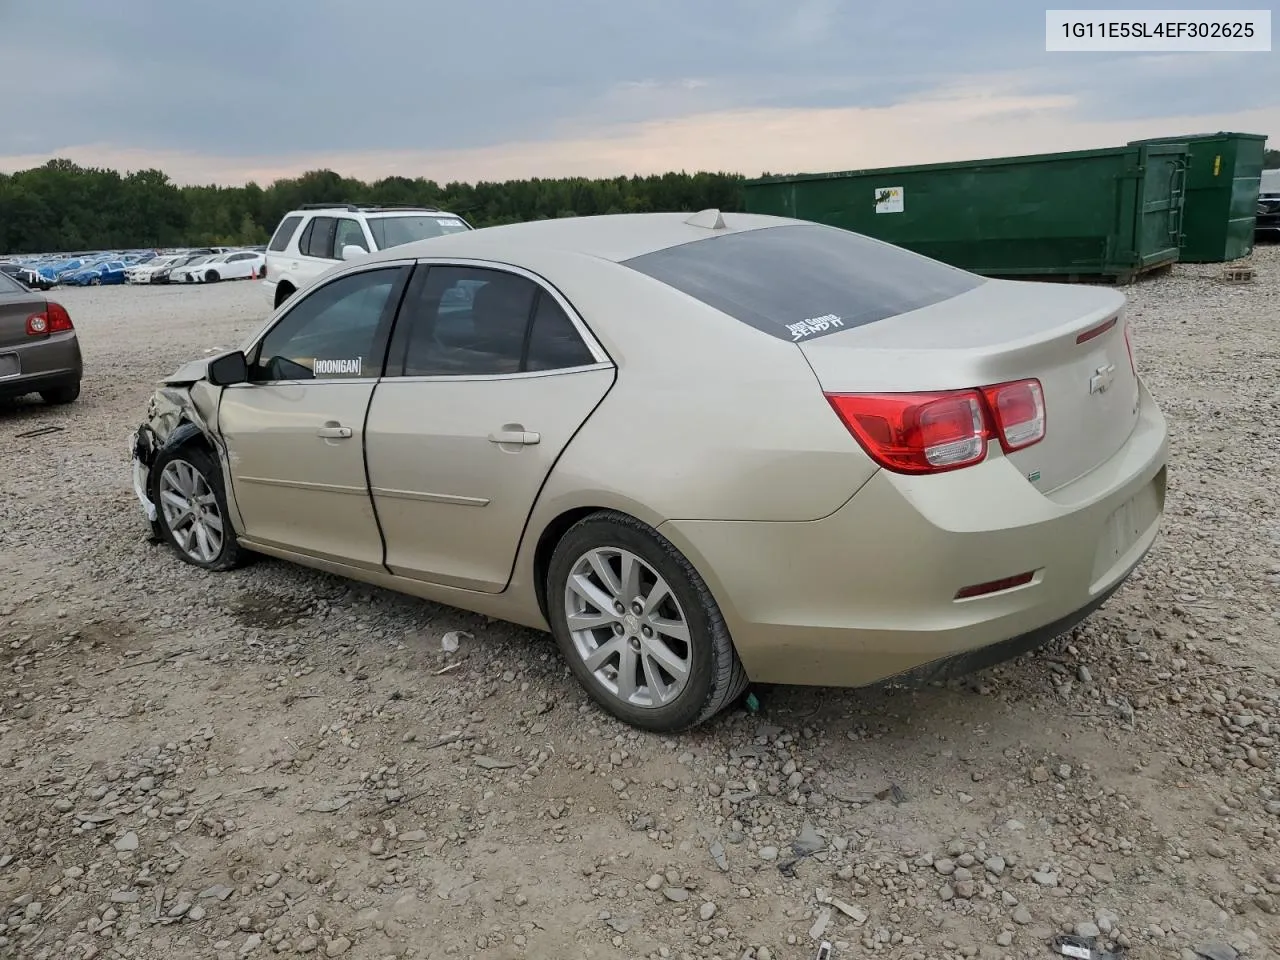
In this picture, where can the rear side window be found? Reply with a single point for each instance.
(284, 233)
(317, 240)
(803, 281)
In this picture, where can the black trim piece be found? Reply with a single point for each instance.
(528, 326)
(402, 333)
(971, 661)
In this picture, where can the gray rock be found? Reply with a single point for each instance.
(1087, 928)
(808, 842)
(126, 843)
(337, 947)
(675, 894)
(1022, 916)
(655, 882)
(768, 853)
(1045, 878)
(707, 910)
(994, 865)
(1217, 950)
(945, 866)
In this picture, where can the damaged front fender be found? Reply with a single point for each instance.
(184, 407)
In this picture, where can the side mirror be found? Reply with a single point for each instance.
(353, 250)
(228, 369)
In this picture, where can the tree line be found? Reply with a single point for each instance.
(62, 206)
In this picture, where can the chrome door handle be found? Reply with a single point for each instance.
(512, 434)
(334, 432)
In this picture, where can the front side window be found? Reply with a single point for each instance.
(349, 232)
(284, 233)
(333, 333)
(806, 280)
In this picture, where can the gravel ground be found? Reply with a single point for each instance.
(279, 761)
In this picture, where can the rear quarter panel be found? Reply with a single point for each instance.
(708, 418)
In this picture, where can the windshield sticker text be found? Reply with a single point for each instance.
(350, 365)
(807, 328)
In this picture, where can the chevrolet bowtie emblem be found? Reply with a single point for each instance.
(1101, 380)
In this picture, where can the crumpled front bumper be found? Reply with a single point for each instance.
(142, 451)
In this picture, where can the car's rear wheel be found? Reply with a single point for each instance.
(638, 625)
(95, 282)
(62, 394)
(192, 508)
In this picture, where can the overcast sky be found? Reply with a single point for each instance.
(492, 89)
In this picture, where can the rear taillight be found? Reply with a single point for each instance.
(917, 432)
(920, 433)
(54, 319)
(1019, 413)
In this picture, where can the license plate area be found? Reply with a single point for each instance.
(10, 365)
(1127, 525)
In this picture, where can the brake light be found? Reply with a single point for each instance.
(920, 433)
(54, 319)
(917, 432)
(1019, 413)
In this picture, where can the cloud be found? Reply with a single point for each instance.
(981, 122)
(508, 87)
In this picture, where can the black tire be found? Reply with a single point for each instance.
(283, 293)
(60, 395)
(212, 276)
(231, 555)
(716, 675)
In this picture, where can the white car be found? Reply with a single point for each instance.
(317, 236)
(180, 274)
(237, 265)
(143, 272)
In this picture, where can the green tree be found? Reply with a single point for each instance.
(63, 207)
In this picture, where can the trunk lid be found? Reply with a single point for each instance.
(14, 310)
(1070, 338)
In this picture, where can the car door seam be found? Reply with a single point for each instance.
(368, 410)
(533, 503)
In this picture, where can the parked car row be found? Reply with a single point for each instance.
(201, 265)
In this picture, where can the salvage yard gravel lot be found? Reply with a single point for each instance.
(279, 762)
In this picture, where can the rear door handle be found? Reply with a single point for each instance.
(334, 432)
(512, 434)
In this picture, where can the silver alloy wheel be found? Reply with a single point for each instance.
(628, 627)
(191, 511)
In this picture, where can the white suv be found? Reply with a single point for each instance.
(316, 236)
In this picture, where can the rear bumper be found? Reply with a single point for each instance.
(43, 364)
(868, 593)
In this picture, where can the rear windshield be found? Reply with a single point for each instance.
(802, 281)
(393, 231)
(9, 285)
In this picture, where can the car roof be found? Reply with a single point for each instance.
(613, 237)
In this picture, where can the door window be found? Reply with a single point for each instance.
(335, 332)
(318, 239)
(469, 321)
(349, 232)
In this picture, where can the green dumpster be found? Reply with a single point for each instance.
(1104, 214)
(1223, 174)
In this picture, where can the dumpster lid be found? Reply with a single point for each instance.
(1170, 145)
(1219, 135)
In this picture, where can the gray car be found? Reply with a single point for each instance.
(39, 350)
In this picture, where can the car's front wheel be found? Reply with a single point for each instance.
(212, 276)
(192, 508)
(638, 625)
